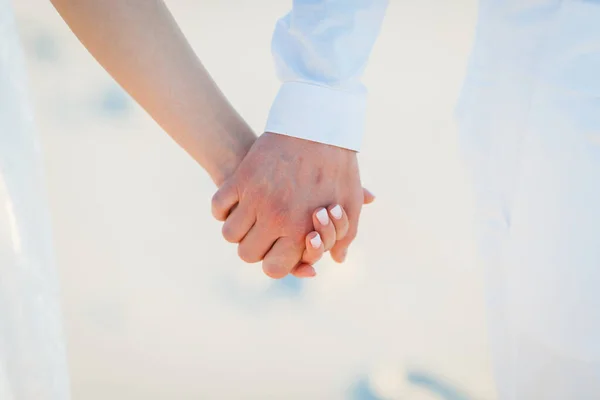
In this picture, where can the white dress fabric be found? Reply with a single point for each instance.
(530, 132)
(32, 352)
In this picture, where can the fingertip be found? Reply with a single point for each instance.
(304, 271)
(368, 197)
(339, 254)
(338, 258)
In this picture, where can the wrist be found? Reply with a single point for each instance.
(224, 160)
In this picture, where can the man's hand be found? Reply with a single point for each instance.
(268, 202)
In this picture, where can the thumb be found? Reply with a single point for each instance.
(368, 196)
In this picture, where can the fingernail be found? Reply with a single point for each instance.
(336, 212)
(316, 241)
(323, 217)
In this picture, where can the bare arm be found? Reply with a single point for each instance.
(141, 46)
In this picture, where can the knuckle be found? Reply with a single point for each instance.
(229, 233)
(279, 216)
(281, 213)
(342, 235)
(340, 224)
(217, 205)
(220, 195)
(216, 199)
(274, 270)
(342, 230)
(247, 254)
(283, 216)
(345, 219)
(328, 242)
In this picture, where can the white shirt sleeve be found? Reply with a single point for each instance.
(321, 48)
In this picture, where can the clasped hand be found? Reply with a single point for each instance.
(289, 201)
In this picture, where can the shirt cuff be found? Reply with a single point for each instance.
(319, 114)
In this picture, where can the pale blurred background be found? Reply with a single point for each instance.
(156, 303)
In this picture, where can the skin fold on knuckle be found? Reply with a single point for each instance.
(274, 270)
(229, 233)
(248, 254)
(216, 206)
(220, 202)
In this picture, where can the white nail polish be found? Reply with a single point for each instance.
(323, 217)
(316, 241)
(336, 212)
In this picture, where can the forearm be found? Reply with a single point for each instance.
(140, 45)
